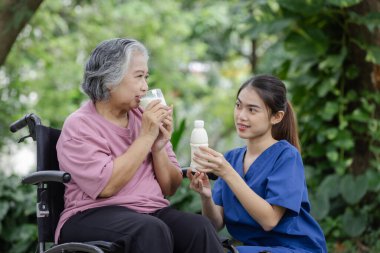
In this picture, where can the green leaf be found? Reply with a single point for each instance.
(352, 72)
(343, 3)
(344, 140)
(178, 133)
(320, 206)
(303, 7)
(373, 178)
(374, 126)
(342, 165)
(330, 110)
(354, 224)
(269, 27)
(373, 51)
(353, 188)
(326, 86)
(332, 155)
(307, 42)
(360, 115)
(373, 54)
(333, 62)
(22, 238)
(331, 133)
(328, 186)
(4, 207)
(371, 20)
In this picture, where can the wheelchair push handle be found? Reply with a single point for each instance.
(28, 119)
(17, 125)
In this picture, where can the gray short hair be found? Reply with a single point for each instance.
(107, 66)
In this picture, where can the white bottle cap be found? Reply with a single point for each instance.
(199, 123)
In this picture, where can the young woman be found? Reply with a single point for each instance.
(261, 194)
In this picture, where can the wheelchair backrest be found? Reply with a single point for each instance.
(46, 140)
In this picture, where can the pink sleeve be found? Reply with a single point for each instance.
(88, 159)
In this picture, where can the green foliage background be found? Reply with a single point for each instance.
(305, 43)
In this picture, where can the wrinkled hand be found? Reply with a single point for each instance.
(165, 133)
(200, 183)
(157, 122)
(212, 161)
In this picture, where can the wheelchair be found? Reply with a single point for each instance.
(50, 191)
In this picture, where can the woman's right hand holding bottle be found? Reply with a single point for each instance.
(200, 183)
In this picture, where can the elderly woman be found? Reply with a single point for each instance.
(122, 163)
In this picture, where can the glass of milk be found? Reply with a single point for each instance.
(151, 95)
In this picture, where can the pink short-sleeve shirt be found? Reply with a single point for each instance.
(87, 148)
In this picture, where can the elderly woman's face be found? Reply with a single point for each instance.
(133, 86)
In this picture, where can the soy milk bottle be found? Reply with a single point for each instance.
(198, 139)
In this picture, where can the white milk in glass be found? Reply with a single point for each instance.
(150, 96)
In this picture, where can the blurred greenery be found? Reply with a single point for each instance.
(18, 230)
(201, 51)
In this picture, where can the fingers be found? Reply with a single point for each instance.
(164, 115)
(198, 183)
(165, 132)
(168, 119)
(159, 113)
(157, 106)
(208, 160)
(196, 179)
(168, 123)
(204, 178)
(211, 151)
(189, 174)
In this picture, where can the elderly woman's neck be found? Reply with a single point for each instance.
(113, 114)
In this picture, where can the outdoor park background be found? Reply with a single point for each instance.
(326, 51)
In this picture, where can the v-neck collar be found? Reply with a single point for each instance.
(263, 155)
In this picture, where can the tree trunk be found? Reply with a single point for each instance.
(14, 15)
(253, 57)
(368, 78)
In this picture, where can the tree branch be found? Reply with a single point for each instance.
(14, 15)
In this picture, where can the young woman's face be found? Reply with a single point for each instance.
(252, 118)
(134, 85)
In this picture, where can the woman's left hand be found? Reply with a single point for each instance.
(212, 161)
(165, 133)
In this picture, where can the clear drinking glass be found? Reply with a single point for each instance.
(150, 96)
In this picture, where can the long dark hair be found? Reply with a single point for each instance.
(273, 92)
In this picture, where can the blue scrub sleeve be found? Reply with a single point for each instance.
(217, 192)
(286, 182)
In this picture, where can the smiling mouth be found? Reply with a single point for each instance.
(242, 127)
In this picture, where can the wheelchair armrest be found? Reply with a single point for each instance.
(46, 176)
(210, 175)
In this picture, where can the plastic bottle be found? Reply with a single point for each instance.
(198, 139)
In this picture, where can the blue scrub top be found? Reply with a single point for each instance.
(277, 175)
